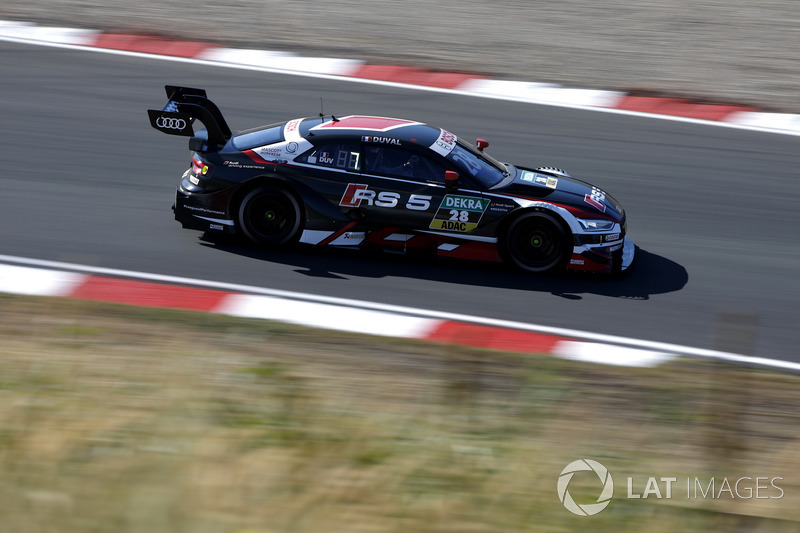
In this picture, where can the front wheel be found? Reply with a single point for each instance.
(270, 216)
(537, 242)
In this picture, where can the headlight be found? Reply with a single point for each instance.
(596, 225)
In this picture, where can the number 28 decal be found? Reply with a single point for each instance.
(459, 213)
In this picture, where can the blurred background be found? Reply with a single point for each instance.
(721, 50)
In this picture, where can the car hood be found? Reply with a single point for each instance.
(556, 186)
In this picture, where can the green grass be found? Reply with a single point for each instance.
(120, 419)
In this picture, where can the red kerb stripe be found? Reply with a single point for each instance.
(147, 294)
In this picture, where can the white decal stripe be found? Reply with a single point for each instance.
(399, 237)
(313, 236)
(223, 221)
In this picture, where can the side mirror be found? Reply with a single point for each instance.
(451, 179)
(481, 144)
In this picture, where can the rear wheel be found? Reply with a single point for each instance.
(537, 242)
(270, 216)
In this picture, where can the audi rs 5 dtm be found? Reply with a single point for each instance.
(367, 181)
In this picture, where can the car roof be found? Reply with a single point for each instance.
(365, 128)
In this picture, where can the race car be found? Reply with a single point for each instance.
(388, 183)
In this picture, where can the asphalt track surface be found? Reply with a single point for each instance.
(713, 210)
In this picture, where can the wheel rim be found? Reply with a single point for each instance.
(271, 218)
(536, 246)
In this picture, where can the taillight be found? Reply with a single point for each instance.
(200, 167)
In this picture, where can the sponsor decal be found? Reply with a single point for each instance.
(292, 130)
(612, 237)
(325, 158)
(459, 213)
(357, 193)
(216, 226)
(268, 152)
(376, 139)
(291, 147)
(445, 143)
(576, 261)
(293, 125)
(538, 179)
(596, 199)
(203, 210)
(237, 164)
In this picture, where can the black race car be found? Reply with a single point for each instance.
(365, 181)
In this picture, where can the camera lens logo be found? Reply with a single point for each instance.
(582, 465)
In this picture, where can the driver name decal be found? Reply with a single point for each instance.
(459, 213)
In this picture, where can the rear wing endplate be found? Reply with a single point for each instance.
(184, 106)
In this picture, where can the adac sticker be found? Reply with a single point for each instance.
(459, 213)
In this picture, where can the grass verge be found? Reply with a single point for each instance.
(123, 419)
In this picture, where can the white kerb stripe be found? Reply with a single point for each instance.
(26, 30)
(607, 354)
(37, 281)
(546, 93)
(327, 316)
(283, 61)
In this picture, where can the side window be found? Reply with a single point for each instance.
(400, 163)
(345, 156)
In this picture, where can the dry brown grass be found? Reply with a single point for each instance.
(121, 419)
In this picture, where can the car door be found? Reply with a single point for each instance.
(400, 187)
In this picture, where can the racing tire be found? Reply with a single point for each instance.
(270, 216)
(537, 242)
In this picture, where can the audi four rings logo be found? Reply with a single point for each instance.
(170, 123)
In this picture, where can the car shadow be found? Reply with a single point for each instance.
(650, 273)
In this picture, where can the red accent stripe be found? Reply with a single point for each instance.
(150, 45)
(329, 239)
(496, 338)
(366, 122)
(678, 107)
(147, 294)
(414, 76)
(255, 157)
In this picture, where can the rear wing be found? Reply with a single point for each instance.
(184, 106)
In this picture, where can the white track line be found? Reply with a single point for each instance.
(338, 69)
(653, 348)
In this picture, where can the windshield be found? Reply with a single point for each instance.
(480, 166)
